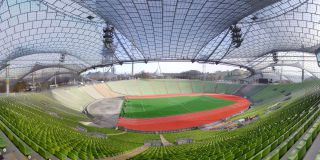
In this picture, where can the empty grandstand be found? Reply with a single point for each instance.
(159, 79)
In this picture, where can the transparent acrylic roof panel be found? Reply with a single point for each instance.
(74, 9)
(22, 66)
(157, 30)
(287, 72)
(295, 29)
(29, 27)
(47, 73)
(172, 29)
(46, 59)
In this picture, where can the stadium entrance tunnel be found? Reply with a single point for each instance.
(182, 121)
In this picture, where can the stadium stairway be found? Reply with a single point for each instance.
(129, 154)
(164, 141)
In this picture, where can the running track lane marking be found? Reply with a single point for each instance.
(188, 120)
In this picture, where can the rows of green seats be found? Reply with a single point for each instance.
(145, 87)
(172, 86)
(136, 138)
(91, 91)
(233, 88)
(29, 127)
(46, 104)
(221, 88)
(100, 130)
(255, 141)
(185, 86)
(52, 108)
(197, 86)
(81, 96)
(300, 128)
(195, 135)
(159, 87)
(133, 87)
(65, 99)
(278, 91)
(271, 97)
(257, 93)
(284, 142)
(305, 142)
(271, 91)
(2, 143)
(118, 86)
(266, 98)
(209, 86)
(72, 97)
(17, 141)
(249, 90)
(227, 88)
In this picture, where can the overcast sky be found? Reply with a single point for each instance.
(171, 67)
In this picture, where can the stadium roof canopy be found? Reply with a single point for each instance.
(277, 34)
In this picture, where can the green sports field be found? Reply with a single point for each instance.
(160, 107)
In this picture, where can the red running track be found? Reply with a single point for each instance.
(188, 120)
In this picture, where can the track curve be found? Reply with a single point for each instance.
(183, 121)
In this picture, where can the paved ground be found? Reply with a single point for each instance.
(12, 151)
(115, 134)
(129, 154)
(314, 149)
(285, 156)
(105, 112)
(164, 141)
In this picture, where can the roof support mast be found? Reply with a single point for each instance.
(132, 69)
(33, 84)
(7, 80)
(55, 81)
(302, 72)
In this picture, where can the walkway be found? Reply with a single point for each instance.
(285, 156)
(115, 134)
(13, 152)
(164, 141)
(313, 150)
(129, 154)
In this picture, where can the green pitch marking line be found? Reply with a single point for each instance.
(169, 106)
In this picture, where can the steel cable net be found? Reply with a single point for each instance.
(25, 65)
(48, 74)
(158, 30)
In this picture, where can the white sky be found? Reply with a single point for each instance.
(171, 67)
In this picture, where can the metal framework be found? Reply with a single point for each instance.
(35, 33)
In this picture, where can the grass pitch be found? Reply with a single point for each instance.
(161, 107)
